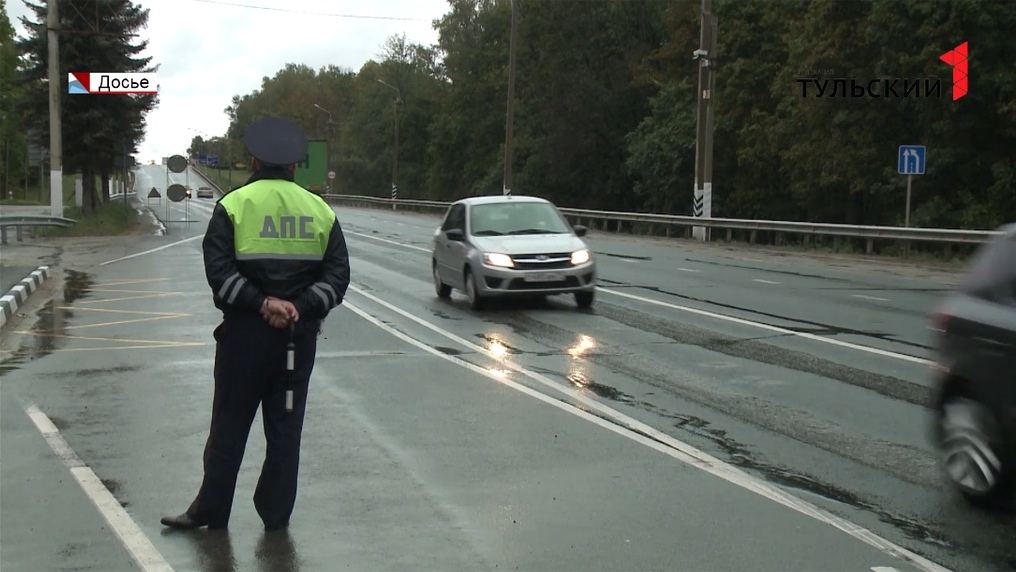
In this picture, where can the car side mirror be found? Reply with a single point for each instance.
(455, 234)
(580, 230)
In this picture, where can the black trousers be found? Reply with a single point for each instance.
(250, 372)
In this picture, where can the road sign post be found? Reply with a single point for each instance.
(910, 162)
(174, 164)
(312, 172)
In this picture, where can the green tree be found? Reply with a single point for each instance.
(97, 35)
(606, 108)
(12, 134)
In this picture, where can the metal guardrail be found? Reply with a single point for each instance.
(871, 233)
(32, 222)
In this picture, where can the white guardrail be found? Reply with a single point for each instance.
(808, 230)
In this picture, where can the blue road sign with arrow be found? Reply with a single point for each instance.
(911, 160)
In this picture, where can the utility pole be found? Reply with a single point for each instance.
(509, 135)
(706, 56)
(395, 159)
(55, 134)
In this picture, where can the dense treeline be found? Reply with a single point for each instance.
(12, 130)
(605, 108)
(100, 134)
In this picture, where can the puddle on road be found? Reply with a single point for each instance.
(276, 551)
(51, 321)
(579, 380)
(77, 285)
(92, 372)
(444, 316)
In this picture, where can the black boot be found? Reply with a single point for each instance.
(184, 522)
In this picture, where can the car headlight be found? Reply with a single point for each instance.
(495, 259)
(580, 257)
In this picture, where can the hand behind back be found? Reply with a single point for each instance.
(279, 313)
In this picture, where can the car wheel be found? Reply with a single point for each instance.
(584, 299)
(972, 447)
(476, 302)
(443, 290)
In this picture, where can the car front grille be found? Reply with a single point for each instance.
(556, 261)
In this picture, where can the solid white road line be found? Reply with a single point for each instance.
(706, 313)
(876, 298)
(635, 430)
(687, 270)
(163, 247)
(761, 281)
(140, 548)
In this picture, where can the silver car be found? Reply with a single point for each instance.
(511, 245)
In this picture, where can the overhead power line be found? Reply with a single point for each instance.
(329, 14)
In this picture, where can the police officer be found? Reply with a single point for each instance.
(276, 261)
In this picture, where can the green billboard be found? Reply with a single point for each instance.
(312, 172)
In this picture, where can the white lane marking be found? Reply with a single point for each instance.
(402, 244)
(805, 335)
(763, 281)
(140, 548)
(876, 298)
(687, 270)
(883, 569)
(637, 431)
(743, 322)
(163, 247)
(629, 260)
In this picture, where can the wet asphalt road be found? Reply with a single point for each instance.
(465, 456)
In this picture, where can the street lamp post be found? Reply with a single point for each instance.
(395, 159)
(706, 56)
(510, 115)
(326, 111)
(331, 125)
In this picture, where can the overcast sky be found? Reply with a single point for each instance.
(211, 50)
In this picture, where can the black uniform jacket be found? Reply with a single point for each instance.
(314, 287)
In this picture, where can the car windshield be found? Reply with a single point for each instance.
(515, 218)
(992, 268)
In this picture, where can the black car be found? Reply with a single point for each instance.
(975, 385)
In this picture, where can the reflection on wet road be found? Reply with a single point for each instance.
(531, 436)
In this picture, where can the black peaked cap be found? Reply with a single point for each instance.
(275, 141)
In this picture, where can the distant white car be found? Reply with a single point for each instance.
(205, 193)
(511, 245)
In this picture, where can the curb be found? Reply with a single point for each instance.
(19, 294)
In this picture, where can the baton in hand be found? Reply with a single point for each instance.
(290, 354)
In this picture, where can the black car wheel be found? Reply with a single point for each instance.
(443, 290)
(476, 302)
(584, 299)
(972, 449)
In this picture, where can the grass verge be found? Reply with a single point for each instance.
(225, 178)
(111, 219)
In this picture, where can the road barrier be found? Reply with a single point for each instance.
(32, 222)
(650, 223)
